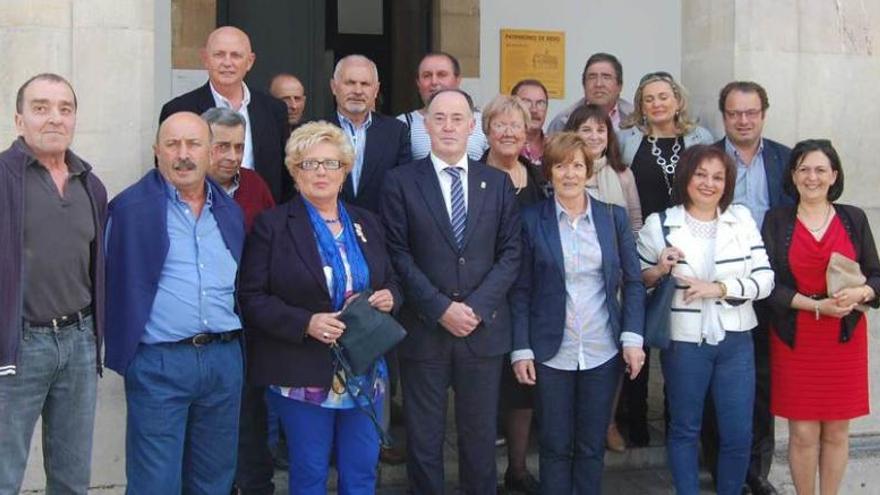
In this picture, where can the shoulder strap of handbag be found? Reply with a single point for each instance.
(370, 409)
(664, 228)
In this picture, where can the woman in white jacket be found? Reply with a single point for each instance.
(717, 257)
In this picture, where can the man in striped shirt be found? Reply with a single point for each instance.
(439, 70)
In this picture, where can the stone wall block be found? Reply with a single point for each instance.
(848, 27)
(762, 25)
(135, 14)
(460, 7)
(33, 13)
(28, 51)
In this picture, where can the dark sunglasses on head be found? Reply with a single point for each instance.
(663, 75)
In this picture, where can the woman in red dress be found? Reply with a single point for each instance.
(819, 348)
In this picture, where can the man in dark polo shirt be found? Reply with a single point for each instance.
(51, 290)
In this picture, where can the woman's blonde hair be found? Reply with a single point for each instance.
(502, 104)
(683, 122)
(308, 135)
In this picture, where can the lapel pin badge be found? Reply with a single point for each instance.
(482, 185)
(359, 231)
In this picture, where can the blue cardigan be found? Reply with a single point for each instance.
(136, 246)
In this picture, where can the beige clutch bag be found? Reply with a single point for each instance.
(843, 273)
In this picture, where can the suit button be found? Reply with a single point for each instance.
(494, 314)
(461, 261)
(456, 294)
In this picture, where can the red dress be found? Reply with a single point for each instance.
(821, 378)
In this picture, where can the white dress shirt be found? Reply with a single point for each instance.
(446, 180)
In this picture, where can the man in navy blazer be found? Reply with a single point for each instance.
(453, 233)
(381, 143)
(760, 164)
(228, 58)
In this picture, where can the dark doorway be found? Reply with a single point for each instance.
(307, 37)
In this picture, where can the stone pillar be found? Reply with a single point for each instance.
(106, 49)
(819, 62)
(457, 31)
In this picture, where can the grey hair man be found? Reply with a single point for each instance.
(248, 189)
(380, 143)
(51, 299)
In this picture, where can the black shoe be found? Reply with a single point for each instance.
(760, 486)
(524, 484)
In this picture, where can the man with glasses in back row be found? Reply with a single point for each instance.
(760, 165)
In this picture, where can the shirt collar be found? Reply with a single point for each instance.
(245, 100)
(236, 183)
(614, 111)
(75, 166)
(345, 120)
(173, 194)
(563, 214)
(440, 165)
(731, 150)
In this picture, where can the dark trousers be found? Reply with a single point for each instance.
(763, 441)
(253, 474)
(634, 398)
(574, 408)
(475, 381)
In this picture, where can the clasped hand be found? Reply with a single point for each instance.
(459, 319)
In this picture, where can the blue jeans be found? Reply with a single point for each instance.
(727, 373)
(56, 378)
(574, 408)
(314, 433)
(183, 407)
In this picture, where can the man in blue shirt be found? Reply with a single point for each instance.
(174, 241)
(760, 165)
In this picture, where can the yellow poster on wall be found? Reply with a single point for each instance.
(537, 55)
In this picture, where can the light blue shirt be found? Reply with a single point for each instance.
(751, 182)
(196, 292)
(587, 339)
(357, 136)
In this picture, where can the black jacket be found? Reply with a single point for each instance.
(778, 228)
(269, 132)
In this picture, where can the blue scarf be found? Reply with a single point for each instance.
(360, 272)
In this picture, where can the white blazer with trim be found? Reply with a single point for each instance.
(741, 264)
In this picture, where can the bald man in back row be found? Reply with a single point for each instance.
(290, 90)
(228, 57)
(173, 245)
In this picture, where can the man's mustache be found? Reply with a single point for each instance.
(185, 164)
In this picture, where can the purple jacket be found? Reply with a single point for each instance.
(12, 166)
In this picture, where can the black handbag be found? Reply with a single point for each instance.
(369, 333)
(659, 304)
